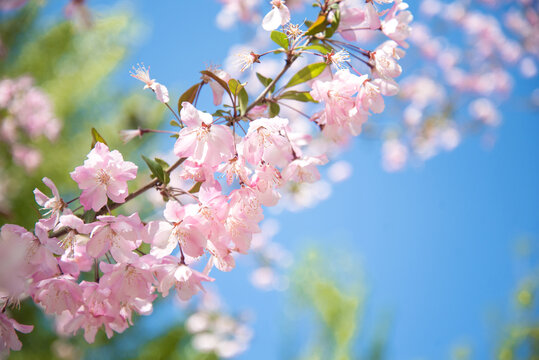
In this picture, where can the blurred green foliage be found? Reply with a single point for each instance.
(72, 66)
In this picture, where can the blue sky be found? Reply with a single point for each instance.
(436, 241)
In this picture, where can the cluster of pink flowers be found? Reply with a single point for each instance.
(485, 40)
(468, 71)
(226, 180)
(27, 115)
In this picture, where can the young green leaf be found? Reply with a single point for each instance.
(162, 162)
(88, 216)
(188, 96)
(156, 169)
(322, 49)
(96, 137)
(174, 123)
(304, 96)
(195, 188)
(318, 26)
(274, 109)
(265, 81)
(309, 72)
(280, 39)
(243, 100)
(334, 25)
(234, 86)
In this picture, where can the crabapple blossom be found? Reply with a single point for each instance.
(120, 235)
(55, 205)
(201, 140)
(279, 15)
(226, 168)
(266, 141)
(143, 74)
(8, 339)
(103, 175)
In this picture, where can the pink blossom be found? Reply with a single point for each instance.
(55, 205)
(245, 212)
(98, 311)
(26, 157)
(216, 88)
(185, 280)
(184, 229)
(235, 168)
(396, 23)
(370, 97)
(130, 284)
(394, 155)
(8, 339)
(384, 59)
(201, 140)
(303, 170)
(59, 294)
(6, 5)
(143, 74)
(266, 141)
(120, 235)
(351, 18)
(104, 174)
(265, 180)
(279, 15)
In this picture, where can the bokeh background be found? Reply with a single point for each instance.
(435, 261)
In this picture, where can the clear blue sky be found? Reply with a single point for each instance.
(436, 242)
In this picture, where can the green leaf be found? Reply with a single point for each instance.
(174, 123)
(309, 72)
(221, 112)
(334, 25)
(220, 81)
(188, 96)
(96, 137)
(265, 81)
(243, 100)
(234, 86)
(280, 39)
(156, 169)
(304, 96)
(144, 248)
(323, 49)
(88, 216)
(162, 162)
(274, 109)
(195, 188)
(318, 26)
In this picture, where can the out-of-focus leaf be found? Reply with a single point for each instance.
(265, 81)
(234, 86)
(318, 26)
(243, 100)
(304, 96)
(309, 72)
(96, 137)
(156, 169)
(334, 25)
(195, 188)
(323, 49)
(274, 109)
(280, 39)
(188, 96)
